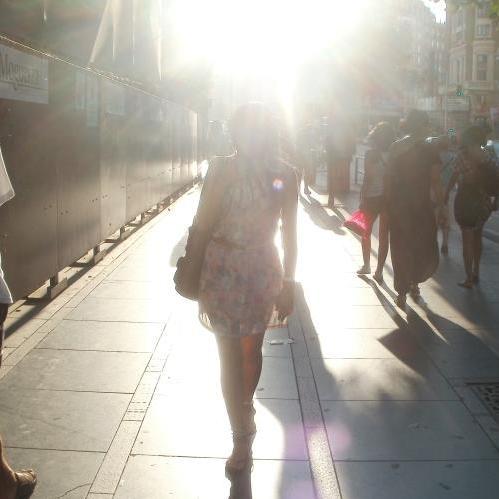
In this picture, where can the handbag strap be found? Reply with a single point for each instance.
(217, 182)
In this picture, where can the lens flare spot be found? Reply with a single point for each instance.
(278, 185)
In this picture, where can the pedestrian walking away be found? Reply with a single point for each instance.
(373, 200)
(13, 484)
(413, 174)
(243, 288)
(477, 179)
(446, 151)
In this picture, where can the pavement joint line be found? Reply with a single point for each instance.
(111, 470)
(324, 475)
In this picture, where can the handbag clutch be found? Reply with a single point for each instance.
(188, 273)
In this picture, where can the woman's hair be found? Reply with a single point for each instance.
(474, 135)
(255, 116)
(382, 135)
(416, 120)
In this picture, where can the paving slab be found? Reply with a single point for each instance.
(416, 480)
(61, 474)
(117, 372)
(370, 431)
(201, 375)
(358, 317)
(380, 379)
(155, 477)
(173, 427)
(17, 332)
(132, 290)
(363, 344)
(45, 419)
(99, 309)
(143, 272)
(103, 336)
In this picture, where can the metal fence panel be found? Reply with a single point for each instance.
(85, 158)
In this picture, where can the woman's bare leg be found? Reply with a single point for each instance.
(383, 243)
(468, 256)
(8, 485)
(366, 252)
(232, 380)
(252, 364)
(236, 401)
(477, 252)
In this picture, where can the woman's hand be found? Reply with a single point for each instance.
(286, 300)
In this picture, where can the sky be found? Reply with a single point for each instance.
(437, 8)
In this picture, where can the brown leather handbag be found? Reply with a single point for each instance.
(187, 277)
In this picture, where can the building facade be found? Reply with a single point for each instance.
(473, 72)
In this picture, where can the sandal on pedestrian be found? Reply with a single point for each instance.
(401, 301)
(415, 292)
(468, 284)
(26, 483)
(364, 270)
(242, 460)
(378, 277)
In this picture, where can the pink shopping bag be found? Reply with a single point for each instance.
(360, 222)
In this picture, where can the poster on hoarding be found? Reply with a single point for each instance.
(23, 76)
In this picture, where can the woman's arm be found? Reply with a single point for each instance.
(289, 210)
(436, 184)
(450, 185)
(368, 168)
(212, 193)
(289, 219)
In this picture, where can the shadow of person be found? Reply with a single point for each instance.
(320, 217)
(452, 349)
(328, 390)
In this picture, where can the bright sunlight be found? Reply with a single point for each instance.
(263, 35)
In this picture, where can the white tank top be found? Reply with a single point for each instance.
(377, 185)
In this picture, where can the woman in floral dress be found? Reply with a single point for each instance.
(244, 286)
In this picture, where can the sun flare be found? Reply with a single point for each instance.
(263, 36)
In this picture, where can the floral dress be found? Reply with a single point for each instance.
(242, 272)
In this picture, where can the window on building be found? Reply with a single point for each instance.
(481, 67)
(483, 10)
(483, 30)
(460, 18)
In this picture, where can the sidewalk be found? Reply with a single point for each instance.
(111, 390)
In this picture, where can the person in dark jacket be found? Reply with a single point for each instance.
(413, 173)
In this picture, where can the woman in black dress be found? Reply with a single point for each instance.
(474, 173)
(413, 173)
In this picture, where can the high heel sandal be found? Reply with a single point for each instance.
(233, 465)
(242, 438)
